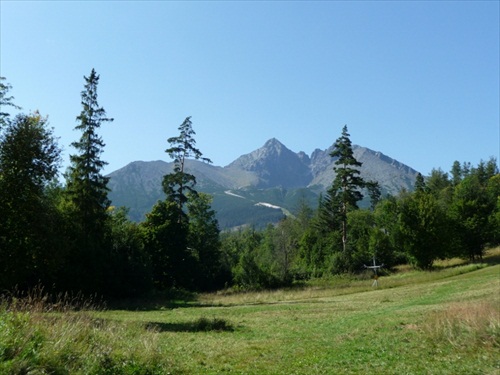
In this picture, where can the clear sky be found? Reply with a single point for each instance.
(418, 81)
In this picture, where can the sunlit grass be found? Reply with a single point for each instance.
(443, 321)
(42, 337)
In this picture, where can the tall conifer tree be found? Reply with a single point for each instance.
(169, 236)
(345, 192)
(86, 188)
(178, 184)
(86, 185)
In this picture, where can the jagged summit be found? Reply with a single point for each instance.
(275, 165)
(273, 142)
(271, 149)
(273, 173)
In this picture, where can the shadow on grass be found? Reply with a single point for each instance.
(145, 305)
(492, 259)
(156, 300)
(199, 325)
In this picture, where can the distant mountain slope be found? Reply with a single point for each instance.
(389, 173)
(256, 188)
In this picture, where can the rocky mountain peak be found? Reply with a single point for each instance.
(272, 174)
(275, 165)
(274, 145)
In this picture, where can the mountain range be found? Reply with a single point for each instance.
(257, 188)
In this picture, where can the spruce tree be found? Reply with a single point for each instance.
(345, 192)
(86, 187)
(456, 173)
(420, 185)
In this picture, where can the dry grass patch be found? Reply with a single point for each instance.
(467, 324)
(42, 334)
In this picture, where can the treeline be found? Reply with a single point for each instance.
(449, 215)
(69, 238)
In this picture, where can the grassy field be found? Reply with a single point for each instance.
(444, 321)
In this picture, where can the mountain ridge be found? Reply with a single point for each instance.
(264, 184)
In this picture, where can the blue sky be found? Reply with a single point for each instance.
(418, 81)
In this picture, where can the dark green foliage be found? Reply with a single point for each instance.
(374, 193)
(166, 244)
(176, 184)
(471, 210)
(493, 191)
(424, 229)
(70, 239)
(347, 180)
(131, 272)
(456, 173)
(382, 249)
(182, 234)
(360, 226)
(276, 256)
(420, 183)
(86, 185)
(239, 250)
(5, 101)
(204, 243)
(29, 158)
(386, 237)
(282, 246)
(245, 255)
(330, 218)
(86, 191)
(345, 192)
(248, 274)
(313, 253)
(438, 182)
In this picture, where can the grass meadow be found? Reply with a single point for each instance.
(444, 321)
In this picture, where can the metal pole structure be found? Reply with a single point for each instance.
(375, 268)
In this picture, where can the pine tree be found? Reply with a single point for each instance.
(178, 184)
(169, 240)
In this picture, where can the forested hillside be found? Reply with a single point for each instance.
(70, 238)
(258, 188)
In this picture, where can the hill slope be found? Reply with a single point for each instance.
(258, 187)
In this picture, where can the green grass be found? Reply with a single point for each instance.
(444, 321)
